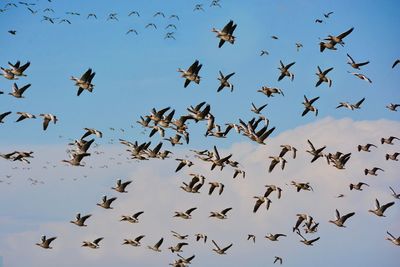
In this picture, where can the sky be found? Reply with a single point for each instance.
(135, 73)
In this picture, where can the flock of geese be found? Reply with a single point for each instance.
(174, 129)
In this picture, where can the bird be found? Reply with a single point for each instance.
(220, 215)
(226, 34)
(92, 244)
(298, 46)
(392, 107)
(361, 76)
(156, 246)
(159, 13)
(278, 259)
(286, 148)
(3, 115)
(48, 118)
(76, 158)
(91, 15)
(357, 186)
(186, 214)
(397, 61)
(183, 163)
(270, 91)
(46, 242)
(322, 76)
(85, 82)
(302, 186)
(351, 106)
(133, 242)
(12, 32)
(90, 131)
(264, 53)
(17, 69)
(80, 220)
(17, 92)
(372, 171)
(132, 30)
(274, 237)
(308, 106)
(379, 210)
(355, 65)
(333, 40)
(307, 242)
(132, 219)
(252, 237)
(220, 251)
(134, 13)
(120, 186)
(224, 81)
(318, 21)
(326, 15)
(25, 115)
(178, 247)
(191, 74)
(214, 185)
(257, 110)
(316, 153)
(392, 156)
(260, 201)
(340, 220)
(275, 161)
(389, 140)
(106, 204)
(394, 194)
(179, 236)
(284, 69)
(366, 147)
(393, 239)
(148, 25)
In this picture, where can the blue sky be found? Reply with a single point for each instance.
(137, 73)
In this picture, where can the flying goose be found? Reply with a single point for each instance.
(25, 115)
(226, 34)
(392, 156)
(186, 214)
(215, 3)
(322, 76)
(178, 247)
(308, 106)
(134, 13)
(6, 73)
(285, 71)
(80, 220)
(174, 16)
(388, 140)
(132, 30)
(198, 7)
(260, 201)
(264, 52)
(3, 115)
(394, 194)
(278, 259)
(220, 215)
(13, 32)
(372, 171)
(90, 131)
(257, 110)
(219, 250)
(392, 107)
(271, 188)
(217, 160)
(120, 187)
(361, 76)
(365, 147)
(214, 185)
(17, 92)
(351, 106)
(133, 242)
(357, 186)
(76, 158)
(175, 140)
(18, 70)
(274, 237)
(201, 236)
(300, 218)
(339, 38)
(393, 239)
(275, 161)
(270, 91)
(379, 210)
(132, 219)
(355, 65)
(317, 153)
(252, 237)
(307, 242)
(340, 220)
(92, 244)
(179, 236)
(302, 186)
(46, 242)
(85, 82)
(192, 187)
(298, 46)
(156, 246)
(183, 163)
(191, 74)
(224, 81)
(106, 204)
(48, 118)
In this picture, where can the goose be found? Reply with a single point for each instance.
(217, 160)
(351, 106)
(328, 14)
(8, 155)
(298, 46)
(201, 236)
(159, 13)
(379, 210)
(311, 227)
(22, 155)
(215, 3)
(153, 153)
(82, 145)
(132, 30)
(252, 237)
(198, 7)
(286, 148)
(85, 82)
(133, 242)
(397, 61)
(181, 262)
(179, 236)
(218, 132)
(80, 220)
(271, 188)
(144, 121)
(191, 74)
(183, 163)
(285, 71)
(192, 187)
(270, 91)
(157, 116)
(214, 185)
(260, 201)
(274, 237)
(394, 194)
(339, 161)
(18, 70)
(133, 13)
(392, 156)
(278, 259)
(339, 38)
(3, 115)
(91, 15)
(132, 219)
(92, 244)
(361, 76)
(366, 147)
(173, 16)
(220, 251)
(392, 107)
(325, 45)
(166, 120)
(274, 37)
(264, 52)
(6, 73)
(275, 161)
(25, 115)
(169, 35)
(112, 16)
(75, 159)
(48, 118)
(185, 215)
(239, 171)
(65, 20)
(156, 246)
(302, 186)
(175, 140)
(90, 131)
(178, 247)
(322, 76)
(357, 186)
(355, 65)
(220, 215)
(340, 196)
(17, 92)
(300, 218)
(46, 242)
(197, 114)
(226, 34)
(307, 242)
(393, 239)
(340, 220)
(224, 81)
(120, 187)
(388, 140)
(372, 171)
(308, 106)
(171, 26)
(317, 153)
(257, 110)
(106, 204)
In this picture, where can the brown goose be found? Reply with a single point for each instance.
(260, 201)
(285, 71)
(46, 242)
(392, 156)
(192, 74)
(106, 204)
(393, 239)
(178, 247)
(120, 186)
(340, 220)
(379, 210)
(133, 242)
(3, 115)
(48, 118)
(307, 242)
(308, 106)
(186, 214)
(80, 220)
(389, 140)
(365, 147)
(85, 82)
(394, 194)
(92, 244)
(220, 215)
(25, 115)
(322, 77)
(372, 171)
(357, 186)
(18, 70)
(226, 34)
(224, 81)
(355, 65)
(17, 92)
(76, 158)
(156, 246)
(274, 237)
(219, 250)
(132, 219)
(90, 131)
